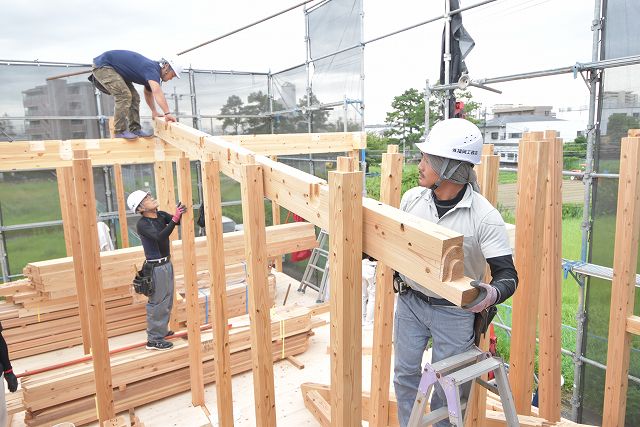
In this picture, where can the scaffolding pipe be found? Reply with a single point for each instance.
(246, 26)
(592, 134)
(363, 159)
(427, 95)
(194, 104)
(307, 44)
(446, 57)
(588, 66)
(4, 263)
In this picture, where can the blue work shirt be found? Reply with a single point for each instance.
(131, 66)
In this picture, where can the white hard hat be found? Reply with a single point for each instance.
(135, 198)
(175, 66)
(457, 139)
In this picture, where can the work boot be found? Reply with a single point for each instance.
(143, 133)
(159, 345)
(126, 135)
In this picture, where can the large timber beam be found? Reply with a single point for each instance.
(427, 253)
(29, 155)
(301, 143)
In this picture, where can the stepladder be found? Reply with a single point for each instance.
(453, 374)
(318, 264)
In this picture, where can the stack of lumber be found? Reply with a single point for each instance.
(141, 376)
(40, 313)
(43, 332)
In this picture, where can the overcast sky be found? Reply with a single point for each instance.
(512, 36)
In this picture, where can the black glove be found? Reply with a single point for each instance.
(11, 379)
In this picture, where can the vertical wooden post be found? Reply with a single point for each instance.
(165, 189)
(66, 187)
(66, 210)
(550, 315)
(191, 283)
(355, 155)
(122, 207)
(218, 289)
(625, 257)
(255, 241)
(112, 127)
(488, 171)
(275, 214)
(390, 187)
(532, 178)
(345, 241)
(92, 275)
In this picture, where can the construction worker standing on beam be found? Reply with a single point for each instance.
(448, 195)
(154, 229)
(114, 73)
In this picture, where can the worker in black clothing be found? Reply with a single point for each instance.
(154, 229)
(9, 376)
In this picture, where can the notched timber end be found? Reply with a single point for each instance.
(452, 264)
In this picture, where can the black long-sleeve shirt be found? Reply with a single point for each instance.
(154, 234)
(4, 353)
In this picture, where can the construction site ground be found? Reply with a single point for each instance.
(290, 409)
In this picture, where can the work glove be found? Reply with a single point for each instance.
(180, 209)
(12, 380)
(487, 296)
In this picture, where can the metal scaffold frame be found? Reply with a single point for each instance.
(579, 270)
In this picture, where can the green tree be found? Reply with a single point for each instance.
(407, 115)
(376, 144)
(257, 103)
(319, 118)
(233, 107)
(7, 130)
(618, 125)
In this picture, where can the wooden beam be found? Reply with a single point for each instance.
(67, 209)
(191, 283)
(390, 187)
(122, 207)
(633, 325)
(301, 143)
(488, 171)
(625, 255)
(275, 215)
(532, 176)
(345, 241)
(550, 315)
(215, 246)
(65, 176)
(252, 190)
(165, 194)
(52, 154)
(422, 250)
(324, 391)
(88, 234)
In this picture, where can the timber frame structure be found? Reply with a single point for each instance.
(429, 254)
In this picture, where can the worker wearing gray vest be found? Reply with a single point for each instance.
(448, 195)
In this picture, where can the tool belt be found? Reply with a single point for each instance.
(401, 288)
(143, 281)
(482, 321)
